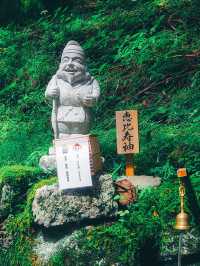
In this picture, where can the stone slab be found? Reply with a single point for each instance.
(144, 181)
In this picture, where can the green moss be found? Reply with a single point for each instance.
(20, 227)
(142, 230)
(31, 192)
(145, 54)
(24, 220)
(19, 178)
(16, 175)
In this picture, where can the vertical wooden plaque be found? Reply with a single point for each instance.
(127, 131)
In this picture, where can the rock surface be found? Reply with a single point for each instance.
(52, 207)
(190, 242)
(6, 199)
(143, 181)
(6, 239)
(44, 247)
(48, 163)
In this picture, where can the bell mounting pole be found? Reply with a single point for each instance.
(182, 219)
(129, 170)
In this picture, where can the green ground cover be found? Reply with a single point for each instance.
(145, 55)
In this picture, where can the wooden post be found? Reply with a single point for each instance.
(129, 165)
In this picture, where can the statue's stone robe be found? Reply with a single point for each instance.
(71, 115)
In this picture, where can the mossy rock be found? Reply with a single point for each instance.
(14, 182)
(16, 175)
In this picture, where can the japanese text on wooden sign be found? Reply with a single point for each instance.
(73, 163)
(127, 131)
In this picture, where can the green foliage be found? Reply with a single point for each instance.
(19, 178)
(145, 54)
(137, 233)
(18, 175)
(143, 58)
(103, 244)
(20, 227)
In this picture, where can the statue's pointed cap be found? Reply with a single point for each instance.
(73, 47)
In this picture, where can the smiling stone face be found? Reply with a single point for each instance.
(72, 62)
(72, 66)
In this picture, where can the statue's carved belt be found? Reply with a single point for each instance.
(71, 114)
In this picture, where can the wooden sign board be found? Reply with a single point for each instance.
(127, 131)
(73, 163)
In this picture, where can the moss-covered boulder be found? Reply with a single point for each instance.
(14, 182)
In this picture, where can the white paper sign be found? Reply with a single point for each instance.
(73, 163)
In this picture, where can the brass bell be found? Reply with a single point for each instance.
(182, 221)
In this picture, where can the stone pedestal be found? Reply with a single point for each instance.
(52, 207)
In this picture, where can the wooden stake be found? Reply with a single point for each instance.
(129, 165)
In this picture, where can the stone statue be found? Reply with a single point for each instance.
(73, 91)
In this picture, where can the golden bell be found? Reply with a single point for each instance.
(182, 221)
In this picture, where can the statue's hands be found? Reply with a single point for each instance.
(55, 92)
(88, 100)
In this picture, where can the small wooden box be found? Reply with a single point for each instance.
(95, 155)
